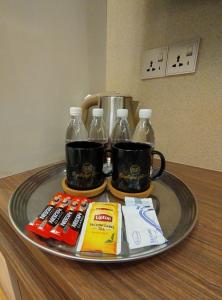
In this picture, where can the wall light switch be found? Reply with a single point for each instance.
(154, 63)
(182, 57)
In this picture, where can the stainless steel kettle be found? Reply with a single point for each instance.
(110, 103)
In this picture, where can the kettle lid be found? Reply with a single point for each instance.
(107, 94)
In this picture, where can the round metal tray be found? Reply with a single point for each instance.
(175, 206)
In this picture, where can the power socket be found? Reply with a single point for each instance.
(182, 57)
(154, 63)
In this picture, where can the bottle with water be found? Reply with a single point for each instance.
(97, 130)
(121, 131)
(98, 133)
(76, 130)
(144, 132)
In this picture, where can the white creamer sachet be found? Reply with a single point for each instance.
(142, 226)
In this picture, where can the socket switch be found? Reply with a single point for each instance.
(182, 57)
(154, 63)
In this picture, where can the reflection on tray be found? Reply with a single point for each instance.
(169, 199)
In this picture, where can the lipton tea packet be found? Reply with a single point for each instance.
(142, 226)
(102, 229)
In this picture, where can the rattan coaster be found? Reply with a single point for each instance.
(85, 193)
(121, 195)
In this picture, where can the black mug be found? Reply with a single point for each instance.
(84, 164)
(132, 163)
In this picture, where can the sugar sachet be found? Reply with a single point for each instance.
(141, 223)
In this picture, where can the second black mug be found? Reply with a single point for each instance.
(132, 163)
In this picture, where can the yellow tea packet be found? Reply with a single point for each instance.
(102, 227)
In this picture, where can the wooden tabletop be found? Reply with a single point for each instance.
(191, 270)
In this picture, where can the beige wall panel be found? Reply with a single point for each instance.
(187, 109)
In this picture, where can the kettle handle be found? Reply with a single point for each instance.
(88, 102)
(137, 114)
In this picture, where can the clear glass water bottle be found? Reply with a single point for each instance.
(76, 130)
(97, 130)
(121, 131)
(144, 132)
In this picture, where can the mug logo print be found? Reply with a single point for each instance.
(135, 170)
(87, 171)
(133, 174)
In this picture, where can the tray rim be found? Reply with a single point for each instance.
(99, 259)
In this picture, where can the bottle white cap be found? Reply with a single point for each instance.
(97, 112)
(122, 112)
(75, 111)
(145, 113)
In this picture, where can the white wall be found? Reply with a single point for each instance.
(45, 66)
(187, 109)
(97, 27)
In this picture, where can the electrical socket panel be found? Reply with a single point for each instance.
(182, 57)
(154, 63)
